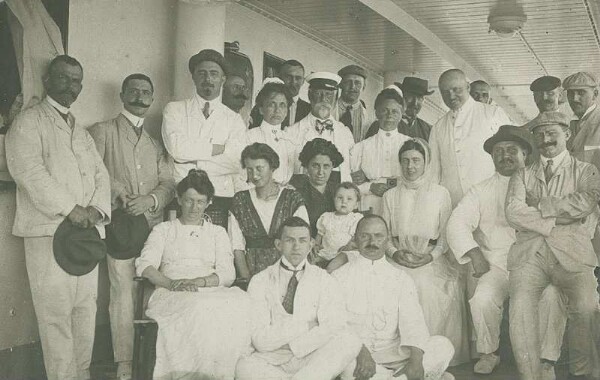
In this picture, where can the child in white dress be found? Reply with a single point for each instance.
(336, 229)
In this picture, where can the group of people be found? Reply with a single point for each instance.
(370, 246)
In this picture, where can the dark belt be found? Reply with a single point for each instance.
(263, 242)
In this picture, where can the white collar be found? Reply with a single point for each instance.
(590, 109)
(289, 265)
(385, 134)
(556, 161)
(295, 99)
(62, 109)
(212, 103)
(313, 119)
(465, 107)
(270, 128)
(135, 120)
(365, 260)
(354, 106)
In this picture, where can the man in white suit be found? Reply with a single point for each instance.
(299, 323)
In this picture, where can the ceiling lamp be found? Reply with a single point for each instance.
(506, 26)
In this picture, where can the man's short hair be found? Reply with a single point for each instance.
(292, 221)
(138, 76)
(293, 63)
(66, 59)
(368, 217)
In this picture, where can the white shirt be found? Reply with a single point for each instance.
(286, 275)
(383, 307)
(136, 121)
(305, 131)
(556, 161)
(292, 110)
(273, 136)
(62, 109)
(265, 210)
(189, 138)
(458, 159)
(361, 117)
(479, 221)
(377, 157)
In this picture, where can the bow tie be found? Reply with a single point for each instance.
(322, 125)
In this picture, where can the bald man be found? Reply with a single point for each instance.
(457, 160)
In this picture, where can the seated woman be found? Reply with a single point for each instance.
(189, 261)
(257, 213)
(417, 211)
(374, 161)
(318, 157)
(272, 102)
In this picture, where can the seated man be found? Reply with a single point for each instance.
(384, 310)
(303, 337)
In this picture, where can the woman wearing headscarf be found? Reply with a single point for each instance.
(373, 161)
(417, 211)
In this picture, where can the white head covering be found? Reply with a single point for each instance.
(425, 178)
(396, 88)
(271, 80)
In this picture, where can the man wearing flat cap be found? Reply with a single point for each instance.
(547, 92)
(61, 180)
(582, 94)
(351, 110)
(479, 234)
(203, 133)
(553, 205)
(414, 91)
(141, 184)
(322, 93)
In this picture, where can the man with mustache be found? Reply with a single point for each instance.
(322, 93)
(478, 233)
(203, 133)
(414, 90)
(234, 94)
(457, 160)
(553, 205)
(59, 176)
(291, 72)
(546, 94)
(351, 109)
(141, 184)
(384, 311)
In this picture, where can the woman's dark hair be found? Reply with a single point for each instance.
(348, 186)
(258, 151)
(292, 221)
(198, 180)
(323, 147)
(273, 88)
(411, 145)
(388, 93)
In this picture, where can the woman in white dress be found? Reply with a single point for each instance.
(272, 102)
(417, 211)
(202, 327)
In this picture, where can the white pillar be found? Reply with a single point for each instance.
(200, 25)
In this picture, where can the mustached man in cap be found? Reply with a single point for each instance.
(547, 94)
(320, 123)
(203, 133)
(478, 233)
(457, 160)
(60, 177)
(351, 110)
(141, 184)
(582, 94)
(553, 205)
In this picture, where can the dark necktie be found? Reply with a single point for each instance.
(206, 110)
(288, 299)
(548, 170)
(320, 126)
(287, 122)
(346, 118)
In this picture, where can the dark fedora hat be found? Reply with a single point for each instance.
(77, 250)
(415, 85)
(510, 133)
(126, 235)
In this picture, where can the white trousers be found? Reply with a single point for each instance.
(437, 355)
(487, 296)
(120, 307)
(65, 307)
(324, 363)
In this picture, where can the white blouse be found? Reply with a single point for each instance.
(273, 136)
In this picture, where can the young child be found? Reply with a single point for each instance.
(336, 229)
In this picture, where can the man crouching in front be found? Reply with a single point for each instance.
(299, 326)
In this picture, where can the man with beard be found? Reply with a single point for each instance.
(141, 184)
(414, 91)
(478, 233)
(322, 93)
(546, 94)
(384, 311)
(553, 205)
(292, 74)
(351, 109)
(457, 160)
(203, 133)
(234, 94)
(59, 176)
